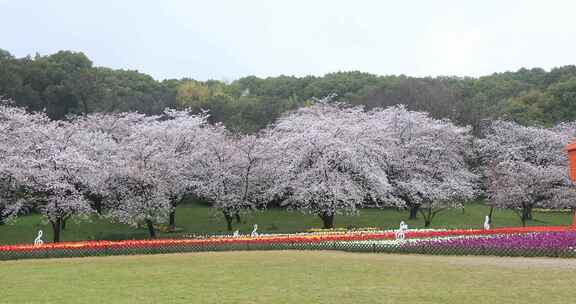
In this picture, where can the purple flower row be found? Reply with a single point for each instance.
(540, 241)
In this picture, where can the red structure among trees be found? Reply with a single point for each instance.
(571, 148)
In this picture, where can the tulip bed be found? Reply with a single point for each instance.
(557, 241)
(552, 244)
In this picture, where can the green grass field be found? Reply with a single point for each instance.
(198, 218)
(288, 277)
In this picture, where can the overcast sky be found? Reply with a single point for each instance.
(229, 39)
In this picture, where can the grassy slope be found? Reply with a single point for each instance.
(196, 218)
(288, 277)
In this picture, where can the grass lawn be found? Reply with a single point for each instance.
(199, 218)
(288, 277)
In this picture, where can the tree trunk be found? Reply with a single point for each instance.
(151, 230)
(427, 215)
(95, 201)
(98, 205)
(228, 220)
(490, 215)
(526, 215)
(328, 220)
(414, 212)
(172, 220)
(56, 230)
(238, 219)
(529, 212)
(172, 217)
(523, 221)
(63, 224)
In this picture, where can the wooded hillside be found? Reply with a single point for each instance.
(68, 83)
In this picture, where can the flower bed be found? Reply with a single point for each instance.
(421, 242)
(341, 229)
(530, 244)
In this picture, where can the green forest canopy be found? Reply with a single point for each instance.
(67, 83)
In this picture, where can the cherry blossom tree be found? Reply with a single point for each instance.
(117, 126)
(183, 137)
(170, 142)
(327, 162)
(11, 120)
(426, 160)
(147, 178)
(526, 167)
(135, 192)
(7, 182)
(232, 173)
(47, 158)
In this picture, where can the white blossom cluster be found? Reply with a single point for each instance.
(526, 167)
(324, 159)
(136, 164)
(336, 158)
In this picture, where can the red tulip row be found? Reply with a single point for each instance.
(279, 239)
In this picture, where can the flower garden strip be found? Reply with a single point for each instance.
(529, 244)
(524, 241)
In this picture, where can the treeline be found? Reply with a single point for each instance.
(68, 83)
